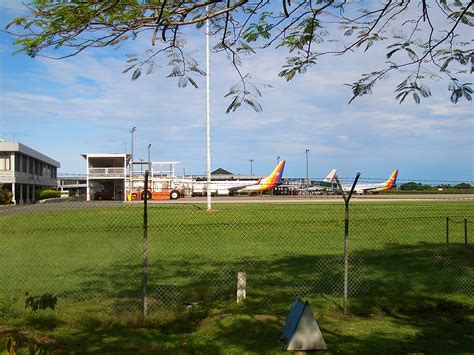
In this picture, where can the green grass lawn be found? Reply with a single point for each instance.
(408, 291)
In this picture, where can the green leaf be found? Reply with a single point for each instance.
(233, 105)
(416, 97)
(369, 44)
(193, 83)
(411, 54)
(136, 74)
(128, 69)
(401, 96)
(254, 105)
(389, 54)
(182, 82)
(151, 67)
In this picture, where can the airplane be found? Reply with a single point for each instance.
(325, 185)
(362, 189)
(265, 184)
(229, 187)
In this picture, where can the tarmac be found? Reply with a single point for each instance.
(317, 199)
(78, 203)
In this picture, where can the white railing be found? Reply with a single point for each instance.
(106, 172)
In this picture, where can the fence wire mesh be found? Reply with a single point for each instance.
(90, 254)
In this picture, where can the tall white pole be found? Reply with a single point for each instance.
(130, 167)
(208, 117)
(307, 177)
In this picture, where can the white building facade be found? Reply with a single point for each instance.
(106, 176)
(24, 170)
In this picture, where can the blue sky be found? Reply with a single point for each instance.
(85, 104)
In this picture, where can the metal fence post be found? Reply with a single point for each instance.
(346, 256)
(447, 231)
(145, 248)
(347, 199)
(465, 231)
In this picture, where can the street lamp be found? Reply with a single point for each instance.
(133, 129)
(251, 162)
(149, 161)
(307, 179)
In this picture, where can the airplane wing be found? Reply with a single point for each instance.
(316, 188)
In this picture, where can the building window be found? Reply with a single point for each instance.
(5, 161)
(17, 162)
(24, 163)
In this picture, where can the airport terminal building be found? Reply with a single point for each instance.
(24, 170)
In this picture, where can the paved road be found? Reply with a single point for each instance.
(318, 199)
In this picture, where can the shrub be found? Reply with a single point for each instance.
(5, 197)
(44, 194)
(46, 300)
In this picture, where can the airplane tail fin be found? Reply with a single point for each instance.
(331, 176)
(274, 179)
(392, 180)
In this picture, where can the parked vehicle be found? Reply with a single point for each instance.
(104, 195)
(156, 195)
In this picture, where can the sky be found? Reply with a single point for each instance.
(84, 104)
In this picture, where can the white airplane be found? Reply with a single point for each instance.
(326, 184)
(362, 189)
(229, 187)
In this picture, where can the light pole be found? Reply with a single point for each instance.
(208, 115)
(149, 161)
(278, 162)
(251, 165)
(133, 129)
(307, 179)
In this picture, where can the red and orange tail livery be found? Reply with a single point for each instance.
(392, 180)
(274, 179)
(269, 182)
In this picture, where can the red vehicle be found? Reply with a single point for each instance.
(104, 195)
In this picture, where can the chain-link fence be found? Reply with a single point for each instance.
(96, 256)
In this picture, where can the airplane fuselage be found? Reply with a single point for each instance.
(229, 187)
(362, 189)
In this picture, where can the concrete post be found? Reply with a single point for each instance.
(241, 285)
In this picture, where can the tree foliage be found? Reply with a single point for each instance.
(413, 186)
(425, 40)
(45, 301)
